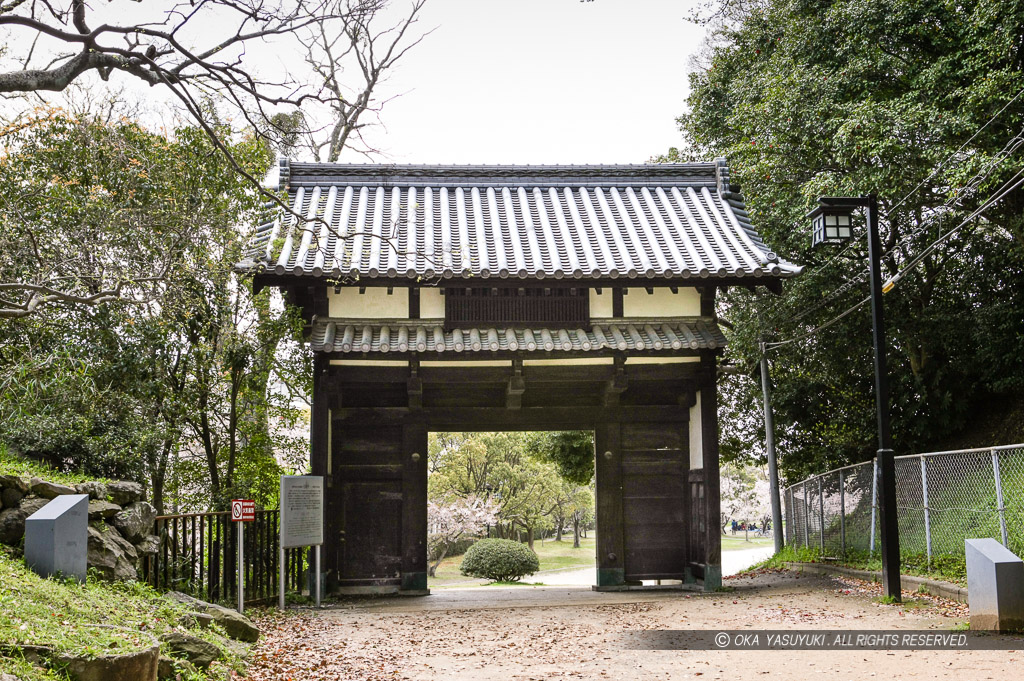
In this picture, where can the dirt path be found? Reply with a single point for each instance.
(526, 633)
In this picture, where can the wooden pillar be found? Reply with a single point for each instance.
(319, 445)
(414, 507)
(712, 500)
(610, 536)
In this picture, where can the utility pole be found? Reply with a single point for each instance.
(773, 467)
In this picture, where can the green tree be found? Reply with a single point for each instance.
(824, 97)
(182, 369)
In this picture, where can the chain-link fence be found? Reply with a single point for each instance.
(942, 498)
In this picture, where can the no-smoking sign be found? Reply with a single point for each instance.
(243, 510)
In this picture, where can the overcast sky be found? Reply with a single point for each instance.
(541, 81)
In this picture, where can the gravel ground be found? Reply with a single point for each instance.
(506, 634)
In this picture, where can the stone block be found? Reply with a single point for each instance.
(136, 521)
(95, 490)
(50, 490)
(101, 510)
(11, 496)
(56, 537)
(995, 586)
(12, 520)
(14, 482)
(124, 492)
(111, 554)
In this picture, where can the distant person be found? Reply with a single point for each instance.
(734, 527)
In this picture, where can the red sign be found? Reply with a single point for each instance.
(243, 510)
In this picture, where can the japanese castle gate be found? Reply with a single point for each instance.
(469, 298)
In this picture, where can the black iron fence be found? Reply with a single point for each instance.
(198, 554)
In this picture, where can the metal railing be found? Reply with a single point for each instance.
(197, 555)
(942, 498)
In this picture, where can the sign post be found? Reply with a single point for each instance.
(302, 522)
(242, 511)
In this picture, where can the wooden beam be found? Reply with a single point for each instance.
(516, 387)
(617, 384)
(617, 302)
(414, 386)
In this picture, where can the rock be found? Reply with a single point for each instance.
(11, 496)
(196, 620)
(124, 492)
(169, 669)
(95, 490)
(8, 677)
(49, 490)
(136, 521)
(12, 520)
(111, 554)
(185, 599)
(139, 666)
(194, 649)
(148, 546)
(14, 482)
(101, 509)
(236, 626)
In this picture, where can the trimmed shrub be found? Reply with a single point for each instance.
(500, 560)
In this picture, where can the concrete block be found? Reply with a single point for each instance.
(56, 537)
(995, 586)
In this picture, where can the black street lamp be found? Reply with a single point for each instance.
(831, 224)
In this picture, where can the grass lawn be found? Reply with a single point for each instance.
(737, 543)
(553, 555)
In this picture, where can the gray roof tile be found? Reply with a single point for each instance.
(671, 221)
(349, 337)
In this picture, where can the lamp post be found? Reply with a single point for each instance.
(831, 224)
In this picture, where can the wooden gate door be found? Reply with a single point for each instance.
(367, 467)
(655, 463)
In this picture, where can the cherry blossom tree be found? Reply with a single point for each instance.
(448, 521)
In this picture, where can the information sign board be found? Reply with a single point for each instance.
(302, 511)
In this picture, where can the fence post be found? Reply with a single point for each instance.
(999, 494)
(874, 500)
(807, 523)
(927, 513)
(821, 516)
(842, 512)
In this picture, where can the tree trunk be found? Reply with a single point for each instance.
(558, 531)
(529, 538)
(575, 533)
(432, 569)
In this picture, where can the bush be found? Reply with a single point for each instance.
(500, 560)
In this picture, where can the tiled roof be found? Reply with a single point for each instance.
(670, 221)
(343, 336)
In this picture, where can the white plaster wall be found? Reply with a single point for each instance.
(662, 303)
(431, 303)
(696, 437)
(375, 303)
(601, 305)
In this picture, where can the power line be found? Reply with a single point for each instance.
(1012, 184)
(950, 157)
(933, 245)
(964, 192)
